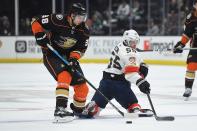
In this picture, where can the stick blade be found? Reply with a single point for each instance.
(165, 118)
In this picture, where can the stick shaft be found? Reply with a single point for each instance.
(151, 104)
(163, 50)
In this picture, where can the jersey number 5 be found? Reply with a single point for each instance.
(114, 62)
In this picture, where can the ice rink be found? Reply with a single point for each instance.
(27, 101)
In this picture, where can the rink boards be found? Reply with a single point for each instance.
(24, 49)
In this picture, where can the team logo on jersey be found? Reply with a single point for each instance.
(68, 43)
(132, 60)
(59, 17)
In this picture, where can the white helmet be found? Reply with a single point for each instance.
(131, 38)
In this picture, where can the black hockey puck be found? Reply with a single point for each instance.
(129, 122)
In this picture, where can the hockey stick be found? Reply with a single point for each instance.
(67, 63)
(159, 118)
(127, 115)
(189, 48)
(163, 50)
(150, 50)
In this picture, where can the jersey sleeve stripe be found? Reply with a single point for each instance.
(184, 39)
(130, 69)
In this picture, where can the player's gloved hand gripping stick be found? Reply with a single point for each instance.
(127, 115)
(66, 62)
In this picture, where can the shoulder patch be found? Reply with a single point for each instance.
(59, 16)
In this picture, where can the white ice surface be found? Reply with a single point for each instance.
(27, 101)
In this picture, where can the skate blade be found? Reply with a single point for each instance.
(186, 98)
(147, 114)
(63, 120)
(137, 115)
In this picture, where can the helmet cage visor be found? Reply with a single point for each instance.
(131, 42)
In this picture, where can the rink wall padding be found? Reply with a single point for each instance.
(23, 49)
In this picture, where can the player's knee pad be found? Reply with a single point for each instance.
(80, 95)
(92, 109)
(192, 66)
(63, 79)
(81, 90)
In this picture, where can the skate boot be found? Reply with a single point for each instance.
(87, 112)
(77, 111)
(136, 109)
(62, 115)
(187, 93)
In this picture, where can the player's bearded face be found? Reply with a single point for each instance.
(78, 19)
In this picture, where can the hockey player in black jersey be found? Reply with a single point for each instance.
(189, 34)
(69, 35)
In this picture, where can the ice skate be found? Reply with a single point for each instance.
(142, 112)
(62, 115)
(138, 112)
(187, 94)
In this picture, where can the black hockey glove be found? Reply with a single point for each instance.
(143, 85)
(143, 71)
(73, 62)
(178, 48)
(41, 39)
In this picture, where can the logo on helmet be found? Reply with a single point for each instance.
(59, 17)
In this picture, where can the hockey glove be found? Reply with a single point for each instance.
(73, 61)
(143, 85)
(178, 48)
(73, 64)
(143, 71)
(41, 39)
